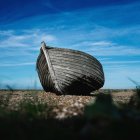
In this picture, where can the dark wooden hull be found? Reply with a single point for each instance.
(66, 71)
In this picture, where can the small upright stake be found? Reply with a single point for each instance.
(43, 45)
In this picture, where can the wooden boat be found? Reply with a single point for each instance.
(66, 71)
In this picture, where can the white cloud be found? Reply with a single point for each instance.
(6, 32)
(24, 39)
(15, 41)
(105, 48)
(114, 51)
(16, 46)
(121, 62)
(102, 43)
(17, 64)
(48, 38)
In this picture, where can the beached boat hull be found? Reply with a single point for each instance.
(66, 71)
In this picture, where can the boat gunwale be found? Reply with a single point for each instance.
(75, 51)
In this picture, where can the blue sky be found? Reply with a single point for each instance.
(107, 29)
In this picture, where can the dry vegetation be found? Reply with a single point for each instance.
(106, 114)
(64, 105)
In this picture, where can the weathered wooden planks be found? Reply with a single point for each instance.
(66, 71)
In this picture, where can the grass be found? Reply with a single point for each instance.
(103, 119)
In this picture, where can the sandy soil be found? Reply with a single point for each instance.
(64, 105)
